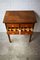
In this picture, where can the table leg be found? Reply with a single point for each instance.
(9, 38)
(31, 35)
(30, 38)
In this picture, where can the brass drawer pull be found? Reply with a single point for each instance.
(18, 29)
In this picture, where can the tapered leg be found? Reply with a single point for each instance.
(31, 34)
(30, 38)
(9, 38)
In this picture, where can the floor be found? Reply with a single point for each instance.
(20, 48)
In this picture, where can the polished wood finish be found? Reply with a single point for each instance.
(19, 22)
(19, 17)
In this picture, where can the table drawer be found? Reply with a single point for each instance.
(12, 25)
(11, 31)
(19, 30)
(26, 25)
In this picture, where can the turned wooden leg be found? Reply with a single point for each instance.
(9, 38)
(30, 38)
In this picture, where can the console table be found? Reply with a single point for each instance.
(19, 22)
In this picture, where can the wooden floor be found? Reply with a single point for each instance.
(20, 48)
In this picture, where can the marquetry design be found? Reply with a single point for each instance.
(13, 29)
(20, 29)
(31, 29)
(17, 29)
(27, 29)
(23, 29)
(9, 29)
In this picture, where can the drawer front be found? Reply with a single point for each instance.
(12, 31)
(26, 25)
(19, 30)
(12, 25)
(26, 31)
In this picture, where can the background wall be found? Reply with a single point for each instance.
(19, 5)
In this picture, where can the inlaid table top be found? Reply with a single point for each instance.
(19, 17)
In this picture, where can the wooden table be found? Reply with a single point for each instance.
(19, 22)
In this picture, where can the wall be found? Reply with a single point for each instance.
(18, 5)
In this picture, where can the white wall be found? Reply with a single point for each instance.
(17, 5)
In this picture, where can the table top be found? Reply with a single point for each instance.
(19, 17)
